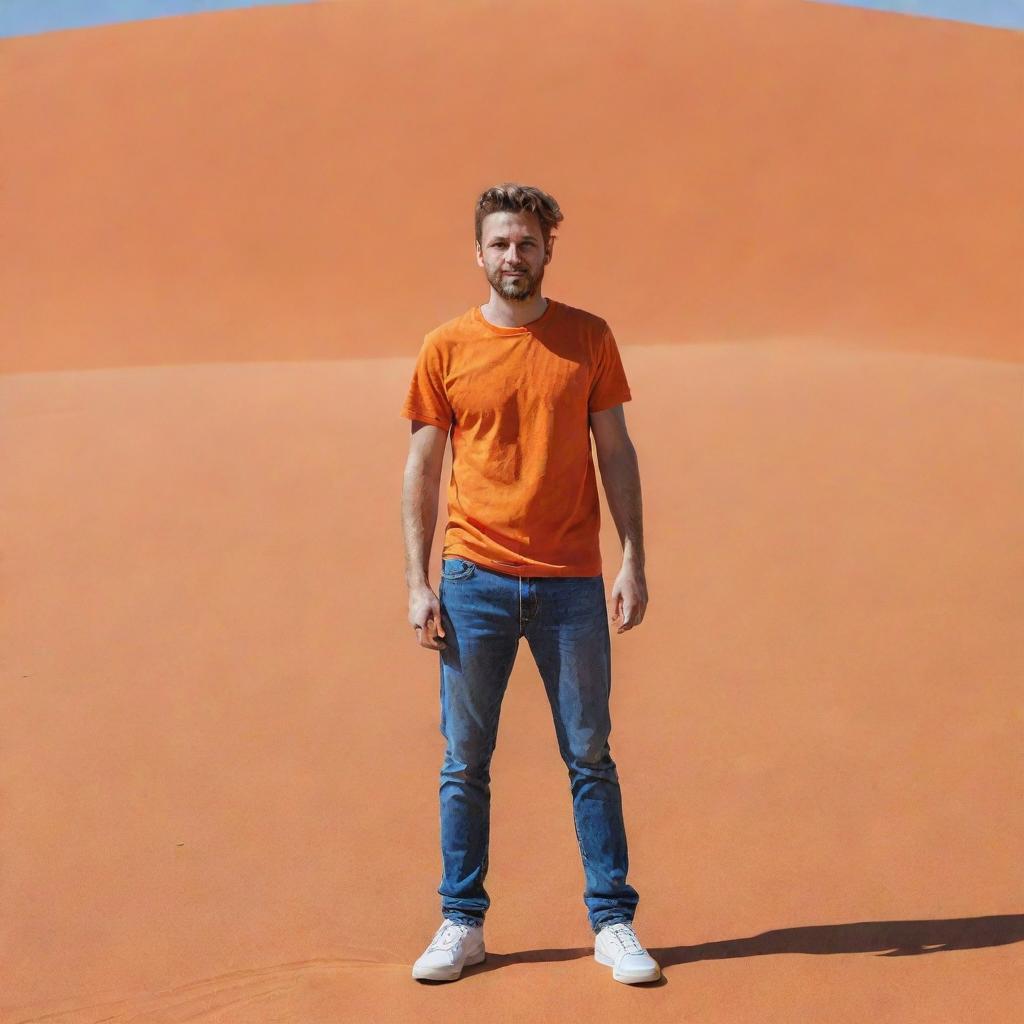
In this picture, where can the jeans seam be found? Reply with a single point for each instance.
(579, 841)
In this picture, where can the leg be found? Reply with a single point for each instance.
(479, 611)
(570, 641)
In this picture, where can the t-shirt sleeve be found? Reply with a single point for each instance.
(609, 386)
(427, 399)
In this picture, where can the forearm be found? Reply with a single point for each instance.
(419, 518)
(620, 474)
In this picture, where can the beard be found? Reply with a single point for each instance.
(516, 289)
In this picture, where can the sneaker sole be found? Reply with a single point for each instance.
(627, 977)
(447, 973)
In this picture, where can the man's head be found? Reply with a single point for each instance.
(514, 239)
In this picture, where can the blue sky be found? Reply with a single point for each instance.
(26, 17)
(998, 13)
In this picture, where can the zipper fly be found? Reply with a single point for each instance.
(528, 607)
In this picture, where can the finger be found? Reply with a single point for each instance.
(435, 625)
(440, 624)
(423, 635)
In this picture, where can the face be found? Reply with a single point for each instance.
(511, 251)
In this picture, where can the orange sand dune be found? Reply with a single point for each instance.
(219, 739)
(221, 743)
(297, 183)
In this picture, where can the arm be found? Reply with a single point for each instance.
(620, 475)
(419, 517)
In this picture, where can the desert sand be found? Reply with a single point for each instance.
(226, 237)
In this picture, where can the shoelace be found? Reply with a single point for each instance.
(448, 935)
(626, 937)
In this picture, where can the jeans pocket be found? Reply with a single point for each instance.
(457, 568)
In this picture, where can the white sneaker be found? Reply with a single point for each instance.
(617, 947)
(453, 947)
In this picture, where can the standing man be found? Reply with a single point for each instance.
(520, 383)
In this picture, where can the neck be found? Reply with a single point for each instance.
(504, 313)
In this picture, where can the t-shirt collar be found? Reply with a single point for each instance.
(524, 329)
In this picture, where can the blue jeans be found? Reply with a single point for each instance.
(565, 622)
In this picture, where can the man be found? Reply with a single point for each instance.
(520, 383)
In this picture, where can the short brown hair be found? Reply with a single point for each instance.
(516, 198)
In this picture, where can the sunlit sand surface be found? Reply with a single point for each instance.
(220, 739)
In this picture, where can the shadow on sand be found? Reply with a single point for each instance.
(884, 938)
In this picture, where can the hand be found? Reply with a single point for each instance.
(629, 597)
(425, 616)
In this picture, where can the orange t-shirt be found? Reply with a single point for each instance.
(522, 498)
